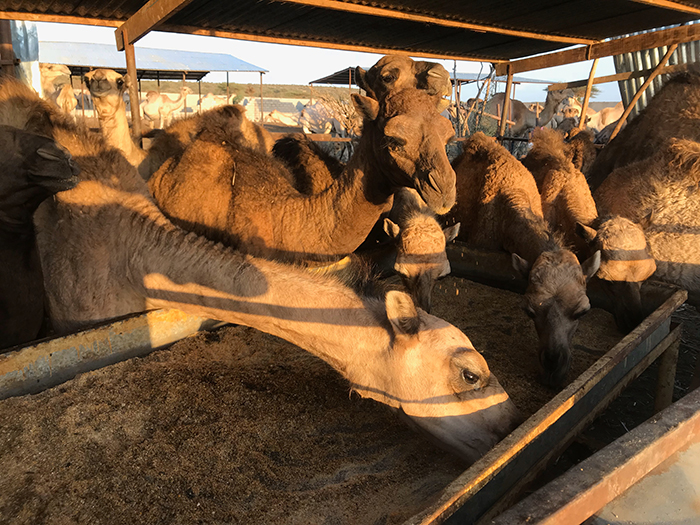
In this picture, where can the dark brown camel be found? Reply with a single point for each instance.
(33, 168)
(258, 210)
(499, 208)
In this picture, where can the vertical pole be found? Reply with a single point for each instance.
(199, 86)
(134, 100)
(228, 93)
(587, 96)
(158, 81)
(184, 108)
(506, 105)
(261, 98)
(349, 83)
(457, 108)
(7, 54)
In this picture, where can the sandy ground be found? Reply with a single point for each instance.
(236, 426)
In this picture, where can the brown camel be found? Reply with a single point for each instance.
(524, 118)
(499, 208)
(259, 211)
(570, 210)
(661, 192)
(420, 245)
(674, 112)
(393, 73)
(107, 88)
(312, 168)
(581, 150)
(33, 168)
(107, 250)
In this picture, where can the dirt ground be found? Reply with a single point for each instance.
(236, 426)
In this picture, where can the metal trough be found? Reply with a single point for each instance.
(489, 486)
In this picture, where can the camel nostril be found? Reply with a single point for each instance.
(433, 183)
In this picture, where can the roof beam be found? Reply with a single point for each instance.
(668, 4)
(630, 44)
(618, 77)
(62, 19)
(314, 43)
(382, 12)
(146, 19)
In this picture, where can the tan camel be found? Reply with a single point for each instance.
(674, 112)
(499, 208)
(159, 108)
(524, 118)
(259, 211)
(107, 88)
(420, 243)
(51, 76)
(605, 117)
(66, 99)
(396, 72)
(33, 168)
(665, 186)
(210, 101)
(107, 250)
(570, 210)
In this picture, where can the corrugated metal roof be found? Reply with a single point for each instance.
(433, 28)
(341, 78)
(473, 77)
(151, 63)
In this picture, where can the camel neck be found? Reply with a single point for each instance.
(115, 128)
(550, 106)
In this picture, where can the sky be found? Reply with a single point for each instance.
(300, 65)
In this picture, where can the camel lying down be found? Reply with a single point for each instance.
(107, 250)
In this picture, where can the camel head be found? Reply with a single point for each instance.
(53, 75)
(34, 168)
(555, 299)
(420, 254)
(441, 383)
(107, 88)
(408, 137)
(396, 72)
(625, 264)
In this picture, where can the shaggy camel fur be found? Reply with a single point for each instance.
(420, 245)
(313, 169)
(665, 185)
(107, 250)
(566, 198)
(394, 73)
(33, 168)
(674, 112)
(499, 208)
(107, 88)
(581, 150)
(525, 119)
(259, 211)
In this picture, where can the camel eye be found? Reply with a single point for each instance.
(388, 78)
(529, 311)
(579, 313)
(469, 377)
(120, 82)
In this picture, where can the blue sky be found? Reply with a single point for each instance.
(299, 65)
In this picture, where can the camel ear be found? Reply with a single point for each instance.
(365, 106)
(402, 313)
(645, 222)
(521, 265)
(360, 80)
(587, 233)
(451, 232)
(391, 228)
(590, 266)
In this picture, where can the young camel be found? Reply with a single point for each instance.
(259, 211)
(420, 244)
(107, 250)
(661, 192)
(524, 118)
(570, 210)
(33, 168)
(499, 208)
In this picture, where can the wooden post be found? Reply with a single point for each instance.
(199, 86)
(184, 83)
(639, 92)
(134, 100)
(506, 105)
(7, 54)
(587, 96)
(350, 83)
(261, 98)
(228, 93)
(666, 377)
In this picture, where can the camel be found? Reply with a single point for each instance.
(570, 210)
(210, 101)
(259, 211)
(34, 168)
(159, 108)
(420, 245)
(661, 192)
(524, 118)
(672, 113)
(394, 73)
(605, 117)
(580, 149)
(107, 88)
(107, 250)
(66, 99)
(52, 75)
(499, 208)
(312, 168)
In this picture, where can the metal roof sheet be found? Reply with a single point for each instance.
(151, 63)
(421, 28)
(348, 74)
